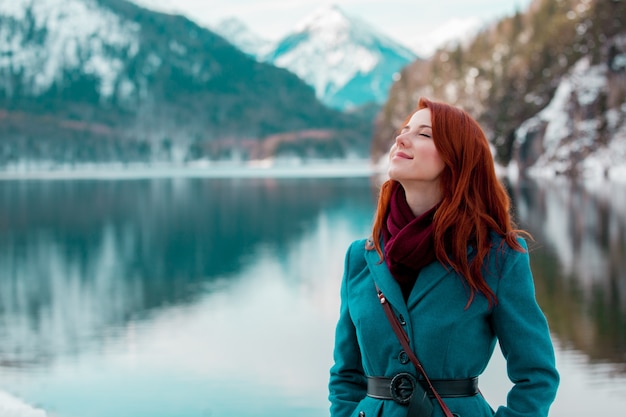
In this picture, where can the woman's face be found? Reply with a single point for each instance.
(413, 158)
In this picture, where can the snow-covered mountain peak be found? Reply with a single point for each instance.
(345, 59)
(325, 19)
(331, 24)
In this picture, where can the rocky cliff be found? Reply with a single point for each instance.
(514, 75)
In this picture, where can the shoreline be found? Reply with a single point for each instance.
(11, 406)
(343, 169)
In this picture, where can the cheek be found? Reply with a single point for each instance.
(432, 154)
(435, 160)
(392, 150)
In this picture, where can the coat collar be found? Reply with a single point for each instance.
(429, 277)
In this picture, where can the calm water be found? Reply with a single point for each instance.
(199, 297)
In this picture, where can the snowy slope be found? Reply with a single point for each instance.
(346, 61)
(242, 37)
(568, 136)
(107, 80)
(11, 406)
(69, 34)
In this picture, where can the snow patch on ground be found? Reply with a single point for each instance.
(11, 406)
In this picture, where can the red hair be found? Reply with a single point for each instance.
(474, 202)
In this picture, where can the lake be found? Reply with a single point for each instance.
(211, 297)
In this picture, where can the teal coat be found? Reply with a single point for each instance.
(450, 340)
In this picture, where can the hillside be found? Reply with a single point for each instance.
(104, 80)
(510, 72)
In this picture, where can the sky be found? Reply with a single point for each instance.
(416, 24)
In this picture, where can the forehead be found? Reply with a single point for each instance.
(420, 117)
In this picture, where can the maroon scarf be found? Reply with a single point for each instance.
(408, 240)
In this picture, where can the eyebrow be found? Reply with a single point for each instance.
(419, 127)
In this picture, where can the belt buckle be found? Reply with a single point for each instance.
(402, 387)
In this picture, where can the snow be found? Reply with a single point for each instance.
(329, 49)
(586, 83)
(342, 60)
(327, 46)
(11, 406)
(268, 168)
(565, 136)
(589, 81)
(235, 31)
(609, 161)
(323, 18)
(619, 63)
(77, 33)
(559, 123)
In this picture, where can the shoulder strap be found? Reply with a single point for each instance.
(404, 341)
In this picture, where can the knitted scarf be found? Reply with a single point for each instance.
(408, 240)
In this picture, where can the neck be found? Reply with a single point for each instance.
(422, 198)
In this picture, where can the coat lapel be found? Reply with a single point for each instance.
(385, 281)
(429, 276)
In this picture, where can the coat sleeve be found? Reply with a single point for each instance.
(348, 385)
(524, 337)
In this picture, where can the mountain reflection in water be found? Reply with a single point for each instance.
(579, 259)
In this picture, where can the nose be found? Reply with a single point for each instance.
(400, 140)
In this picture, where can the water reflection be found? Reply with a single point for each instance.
(78, 259)
(580, 263)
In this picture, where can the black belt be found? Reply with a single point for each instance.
(400, 387)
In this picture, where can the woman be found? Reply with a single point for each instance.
(446, 256)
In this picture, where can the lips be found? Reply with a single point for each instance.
(402, 155)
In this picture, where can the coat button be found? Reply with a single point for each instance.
(361, 413)
(403, 357)
(401, 319)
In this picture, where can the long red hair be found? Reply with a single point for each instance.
(474, 201)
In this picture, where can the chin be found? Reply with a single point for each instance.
(393, 174)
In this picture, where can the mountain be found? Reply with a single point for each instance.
(346, 61)
(242, 37)
(548, 86)
(106, 80)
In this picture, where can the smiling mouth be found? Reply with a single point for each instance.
(402, 155)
